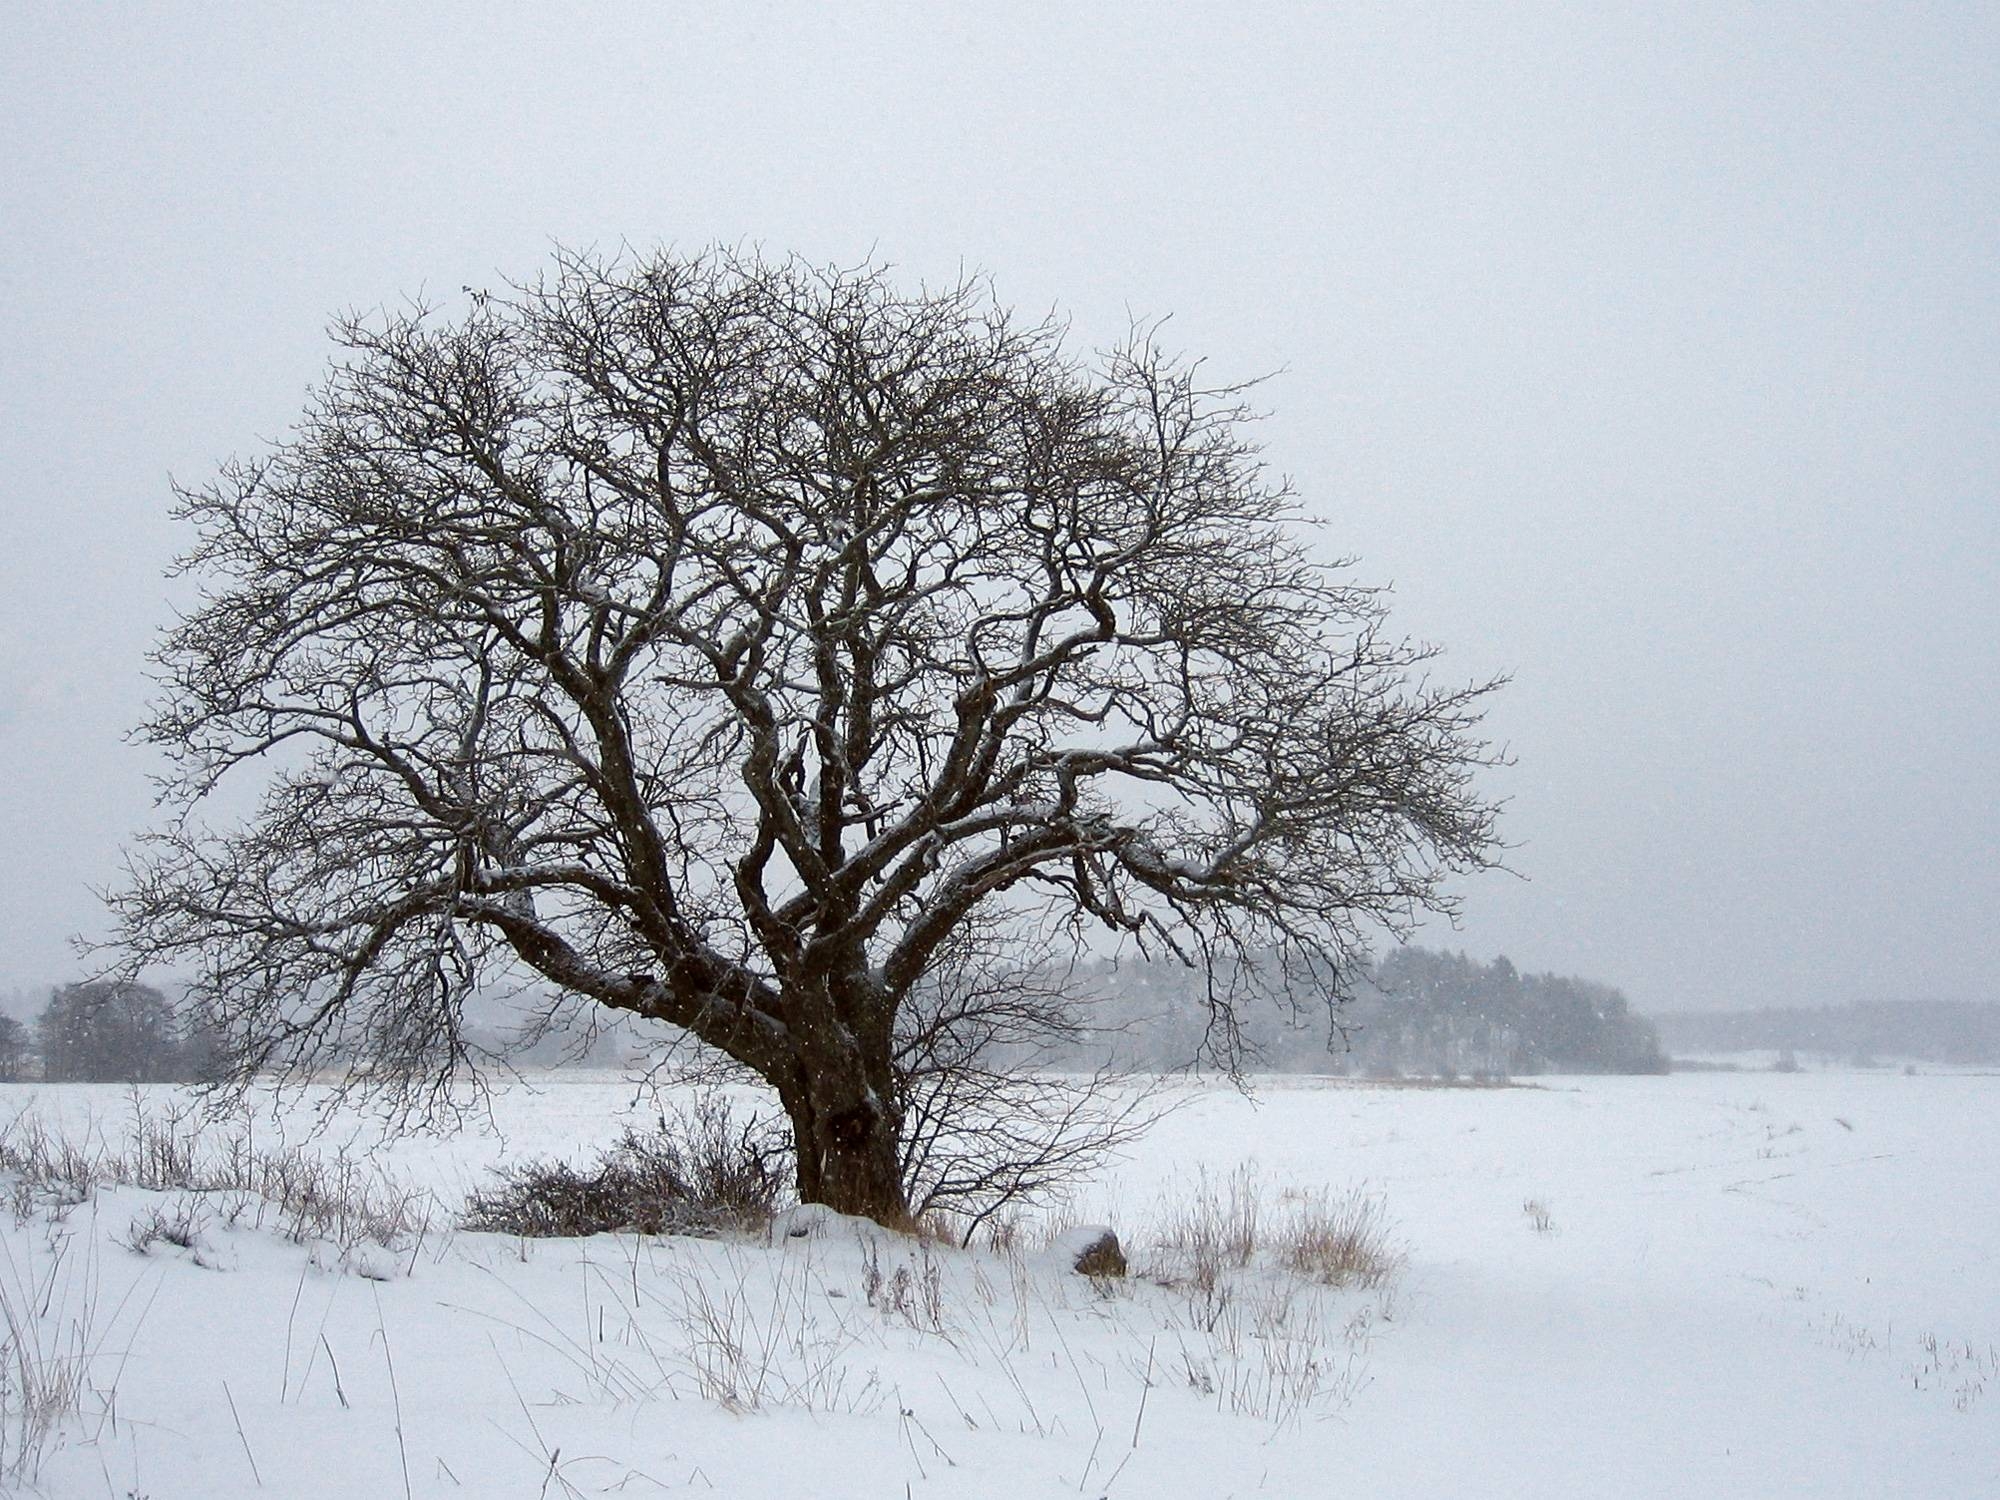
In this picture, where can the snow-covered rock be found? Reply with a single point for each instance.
(1090, 1250)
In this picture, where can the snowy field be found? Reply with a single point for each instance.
(1715, 1285)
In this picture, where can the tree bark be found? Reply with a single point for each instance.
(859, 1170)
(848, 1141)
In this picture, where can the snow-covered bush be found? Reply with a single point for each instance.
(699, 1172)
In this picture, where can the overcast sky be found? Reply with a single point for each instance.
(1651, 353)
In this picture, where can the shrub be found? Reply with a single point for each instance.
(179, 1223)
(47, 1165)
(699, 1173)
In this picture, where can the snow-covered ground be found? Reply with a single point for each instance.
(1715, 1285)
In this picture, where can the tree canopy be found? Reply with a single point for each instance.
(723, 641)
(111, 1032)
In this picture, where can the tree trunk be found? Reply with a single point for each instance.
(847, 1153)
(859, 1174)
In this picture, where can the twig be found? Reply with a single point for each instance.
(964, 1415)
(1116, 1472)
(338, 1389)
(241, 1436)
(1145, 1390)
(423, 1231)
(903, 1426)
(919, 1423)
(1090, 1462)
(395, 1396)
(285, 1384)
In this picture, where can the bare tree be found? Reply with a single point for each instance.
(716, 638)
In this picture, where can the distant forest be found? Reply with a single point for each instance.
(103, 1031)
(1413, 1013)
(1937, 1031)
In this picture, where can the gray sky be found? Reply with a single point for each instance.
(1650, 352)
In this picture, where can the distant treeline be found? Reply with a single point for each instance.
(1427, 1012)
(1414, 1013)
(1940, 1031)
(103, 1031)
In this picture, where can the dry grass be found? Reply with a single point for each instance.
(1212, 1230)
(334, 1199)
(1337, 1240)
(752, 1343)
(1219, 1228)
(57, 1366)
(912, 1290)
(1006, 1234)
(1269, 1332)
(1268, 1328)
